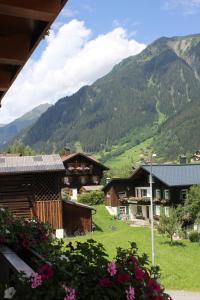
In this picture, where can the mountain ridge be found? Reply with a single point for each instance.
(138, 99)
(11, 130)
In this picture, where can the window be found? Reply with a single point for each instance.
(158, 194)
(139, 210)
(122, 210)
(166, 210)
(108, 195)
(122, 194)
(83, 180)
(157, 210)
(153, 181)
(143, 192)
(166, 195)
(183, 195)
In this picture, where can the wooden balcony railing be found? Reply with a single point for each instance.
(10, 262)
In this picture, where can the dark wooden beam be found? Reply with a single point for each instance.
(44, 10)
(14, 49)
(5, 80)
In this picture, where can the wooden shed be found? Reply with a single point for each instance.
(77, 218)
(30, 187)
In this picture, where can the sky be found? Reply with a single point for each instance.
(87, 39)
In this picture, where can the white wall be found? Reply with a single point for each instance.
(112, 210)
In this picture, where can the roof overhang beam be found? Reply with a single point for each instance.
(43, 10)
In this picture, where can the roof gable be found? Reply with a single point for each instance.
(67, 158)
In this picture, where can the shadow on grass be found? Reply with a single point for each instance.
(174, 243)
(95, 227)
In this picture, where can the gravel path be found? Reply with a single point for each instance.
(184, 295)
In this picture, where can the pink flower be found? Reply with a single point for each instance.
(123, 277)
(153, 285)
(2, 240)
(36, 280)
(134, 260)
(105, 282)
(112, 268)
(70, 294)
(139, 274)
(25, 244)
(130, 293)
(46, 271)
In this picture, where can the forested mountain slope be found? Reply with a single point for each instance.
(154, 94)
(11, 130)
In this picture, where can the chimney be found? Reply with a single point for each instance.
(67, 151)
(183, 160)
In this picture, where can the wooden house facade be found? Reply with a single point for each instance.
(81, 170)
(169, 188)
(30, 186)
(77, 218)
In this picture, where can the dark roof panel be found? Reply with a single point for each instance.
(175, 175)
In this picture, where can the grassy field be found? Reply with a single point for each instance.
(180, 264)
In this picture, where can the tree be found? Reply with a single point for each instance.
(19, 148)
(169, 225)
(91, 198)
(191, 209)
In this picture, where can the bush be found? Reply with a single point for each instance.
(91, 198)
(76, 271)
(194, 236)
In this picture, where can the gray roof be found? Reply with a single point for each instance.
(31, 164)
(79, 204)
(92, 187)
(176, 175)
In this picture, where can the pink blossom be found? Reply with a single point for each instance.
(154, 285)
(36, 280)
(139, 274)
(123, 277)
(112, 268)
(105, 282)
(70, 294)
(130, 293)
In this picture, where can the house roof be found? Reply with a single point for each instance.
(23, 24)
(90, 188)
(79, 204)
(66, 158)
(125, 180)
(31, 164)
(175, 175)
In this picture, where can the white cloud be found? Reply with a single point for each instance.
(70, 60)
(186, 7)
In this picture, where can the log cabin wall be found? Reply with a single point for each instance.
(77, 220)
(33, 195)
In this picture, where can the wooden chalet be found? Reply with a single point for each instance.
(82, 170)
(130, 197)
(77, 218)
(23, 24)
(30, 187)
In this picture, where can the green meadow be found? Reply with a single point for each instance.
(179, 264)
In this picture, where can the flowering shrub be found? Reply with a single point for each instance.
(23, 234)
(79, 271)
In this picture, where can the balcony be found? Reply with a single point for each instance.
(79, 169)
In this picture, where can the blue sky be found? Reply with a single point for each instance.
(87, 39)
(150, 19)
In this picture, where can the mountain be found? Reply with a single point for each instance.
(11, 130)
(151, 96)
